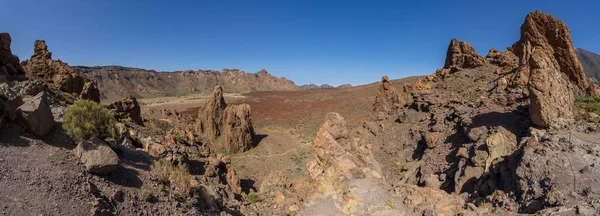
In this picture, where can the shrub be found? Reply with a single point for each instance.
(146, 195)
(87, 119)
(173, 175)
(391, 204)
(253, 197)
(509, 48)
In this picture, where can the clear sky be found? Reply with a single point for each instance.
(307, 41)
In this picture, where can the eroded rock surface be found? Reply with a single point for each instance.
(127, 108)
(237, 128)
(97, 156)
(462, 55)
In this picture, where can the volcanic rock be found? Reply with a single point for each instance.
(543, 32)
(90, 92)
(462, 55)
(127, 108)
(210, 116)
(237, 128)
(10, 69)
(505, 59)
(97, 156)
(35, 115)
(387, 100)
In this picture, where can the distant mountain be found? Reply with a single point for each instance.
(590, 62)
(116, 82)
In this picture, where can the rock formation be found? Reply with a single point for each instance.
(10, 69)
(462, 55)
(237, 128)
(127, 108)
(387, 99)
(549, 68)
(543, 32)
(210, 115)
(217, 119)
(506, 59)
(41, 66)
(97, 156)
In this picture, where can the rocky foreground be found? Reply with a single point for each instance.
(494, 135)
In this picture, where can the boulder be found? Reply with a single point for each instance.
(501, 143)
(237, 128)
(210, 115)
(461, 54)
(128, 109)
(35, 115)
(90, 92)
(543, 33)
(97, 156)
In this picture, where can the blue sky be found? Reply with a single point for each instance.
(334, 42)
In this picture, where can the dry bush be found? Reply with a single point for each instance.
(172, 175)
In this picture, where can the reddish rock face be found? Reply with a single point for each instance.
(210, 116)
(387, 99)
(543, 31)
(237, 128)
(462, 55)
(506, 59)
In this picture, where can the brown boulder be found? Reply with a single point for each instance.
(542, 31)
(210, 116)
(40, 50)
(462, 55)
(127, 108)
(35, 115)
(237, 128)
(90, 92)
(97, 156)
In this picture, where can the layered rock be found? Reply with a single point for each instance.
(35, 115)
(210, 115)
(97, 156)
(461, 54)
(10, 69)
(41, 66)
(128, 109)
(543, 33)
(237, 128)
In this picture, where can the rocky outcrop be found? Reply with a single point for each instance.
(128, 109)
(506, 59)
(237, 128)
(551, 94)
(387, 100)
(210, 115)
(35, 115)
(462, 55)
(97, 156)
(543, 33)
(41, 66)
(10, 69)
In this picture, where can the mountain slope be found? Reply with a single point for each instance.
(116, 82)
(590, 62)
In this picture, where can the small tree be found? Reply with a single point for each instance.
(86, 119)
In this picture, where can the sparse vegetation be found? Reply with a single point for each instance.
(86, 119)
(509, 48)
(391, 204)
(146, 195)
(172, 175)
(588, 108)
(253, 197)
(486, 205)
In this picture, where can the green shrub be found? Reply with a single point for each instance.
(509, 48)
(253, 197)
(87, 119)
(146, 195)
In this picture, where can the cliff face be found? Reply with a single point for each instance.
(116, 81)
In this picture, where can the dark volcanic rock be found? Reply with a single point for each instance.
(127, 108)
(10, 69)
